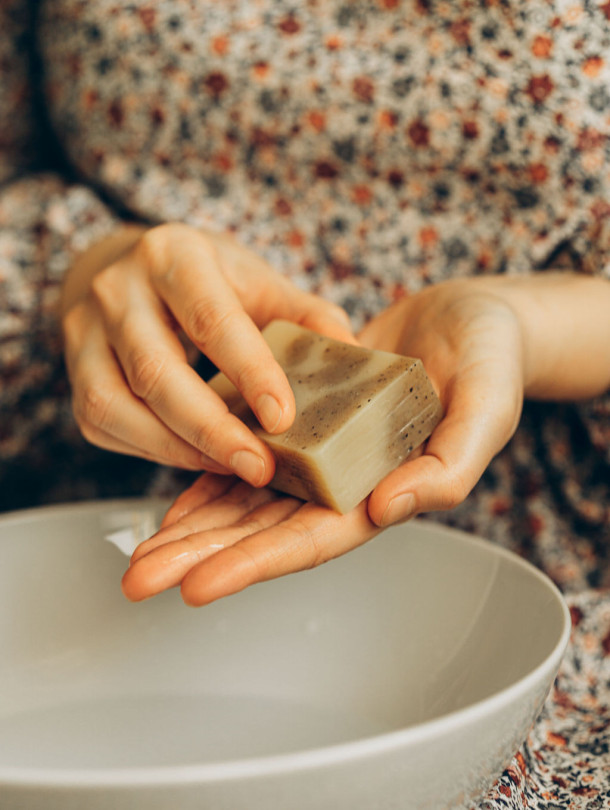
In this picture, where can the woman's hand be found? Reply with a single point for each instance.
(220, 537)
(487, 343)
(132, 306)
(471, 343)
(484, 343)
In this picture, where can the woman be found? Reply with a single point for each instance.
(428, 168)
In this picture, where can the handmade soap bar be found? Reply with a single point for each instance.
(360, 413)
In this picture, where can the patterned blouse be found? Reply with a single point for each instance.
(366, 148)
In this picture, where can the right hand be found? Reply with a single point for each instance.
(129, 315)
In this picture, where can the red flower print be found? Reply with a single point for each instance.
(428, 236)
(220, 45)
(296, 239)
(539, 88)
(542, 46)
(556, 739)
(397, 292)
(396, 178)
(340, 270)
(289, 25)
(361, 195)
(260, 69)
(588, 792)
(593, 66)
(521, 763)
(470, 130)
(148, 15)
(116, 113)
(387, 119)
(538, 172)
(282, 207)
(552, 144)
(317, 120)
(325, 170)
(261, 138)
(460, 31)
(157, 116)
(606, 644)
(364, 89)
(216, 83)
(333, 42)
(419, 133)
(589, 139)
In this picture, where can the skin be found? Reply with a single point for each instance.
(135, 306)
(486, 343)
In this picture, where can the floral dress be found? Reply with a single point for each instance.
(366, 148)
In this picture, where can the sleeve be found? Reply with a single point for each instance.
(16, 109)
(45, 220)
(44, 223)
(591, 253)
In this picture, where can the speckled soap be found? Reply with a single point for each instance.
(360, 413)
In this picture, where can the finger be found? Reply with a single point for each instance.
(105, 409)
(309, 537)
(286, 301)
(154, 364)
(107, 442)
(205, 489)
(197, 292)
(228, 508)
(274, 296)
(166, 566)
(481, 417)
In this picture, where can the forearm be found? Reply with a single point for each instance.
(565, 320)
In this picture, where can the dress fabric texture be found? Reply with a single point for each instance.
(366, 149)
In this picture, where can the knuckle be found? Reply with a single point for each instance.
(205, 323)
(92, 410)
(72, 325)
(153, 243)
(251, 524)
(305, 538)
(258, 568)
(248, 374)
(89, 433)
(107, 287)
(454, 493)
(145, 372)
(207, 437)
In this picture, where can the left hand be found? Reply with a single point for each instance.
(222, 535)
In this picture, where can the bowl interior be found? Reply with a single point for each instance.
(421, 622)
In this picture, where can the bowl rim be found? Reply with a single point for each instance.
(310, 758)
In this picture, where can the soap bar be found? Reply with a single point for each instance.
(360, 413)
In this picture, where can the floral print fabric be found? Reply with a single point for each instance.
(366, 148)
(430, 139)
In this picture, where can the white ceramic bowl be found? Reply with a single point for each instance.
(403, 675)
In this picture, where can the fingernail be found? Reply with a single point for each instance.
(248, 466)
(269, 412)
(400, 508)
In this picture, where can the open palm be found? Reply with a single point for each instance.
(223, 535)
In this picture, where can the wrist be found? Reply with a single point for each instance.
(565, 327)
